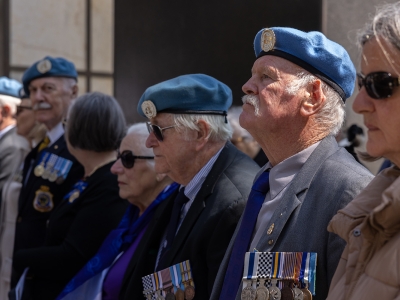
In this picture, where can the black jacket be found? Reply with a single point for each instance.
(75, 232)
(206, 230)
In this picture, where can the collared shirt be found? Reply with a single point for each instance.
(191, 191)
(5, 130)
(55, 133)
(279, 180)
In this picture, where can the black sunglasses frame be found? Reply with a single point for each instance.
(378, 85)
(157, 130)
(128, 159)
(20, 109)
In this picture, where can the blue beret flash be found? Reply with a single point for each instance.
(186, 94)
(9, 87)
(49, 67)
(313, 52)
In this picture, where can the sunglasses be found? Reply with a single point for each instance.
(128, 159)
(157, 130)
(379, 85)
(20, 109)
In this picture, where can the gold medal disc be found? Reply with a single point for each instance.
(38, 171)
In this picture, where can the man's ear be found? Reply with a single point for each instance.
(75, 90)
(5, 110)
(314, 99)
(202, 135)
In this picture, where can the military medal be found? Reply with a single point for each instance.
(176, 278)
(159, 296)
(248, 292)
(64, 169)
(306, 294)
(274, 291)
(54, 174)
(39, 169)
(286, 292)
(49, 166)
(76, 191)
(179, 294)
(298, 293)
(262, 292)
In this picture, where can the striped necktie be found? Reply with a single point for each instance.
(234, 271)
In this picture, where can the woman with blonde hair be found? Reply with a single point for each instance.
(370, 224)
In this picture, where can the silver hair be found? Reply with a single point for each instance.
(141, 134)
(11, 102)
(233, 119)
(385, 24)
(219, 129)
(332, 113)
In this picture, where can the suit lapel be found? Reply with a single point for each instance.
(224, 160)
(296, 192)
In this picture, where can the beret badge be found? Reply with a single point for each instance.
(44, 66)
(267, 40)
(149, 109)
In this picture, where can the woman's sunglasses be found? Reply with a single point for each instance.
(128, 159)
(157, 130)
(379, 85)
(20, 109)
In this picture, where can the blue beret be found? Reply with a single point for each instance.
(49, 67)
(313, 52)
(9, 87)
(187, 94)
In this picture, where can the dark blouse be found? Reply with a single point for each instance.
(75, 231)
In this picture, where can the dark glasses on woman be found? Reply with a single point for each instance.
(157, 130)
(379, 85)
(128, 159)
(20, 109)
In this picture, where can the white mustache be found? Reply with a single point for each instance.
(254, 101)
(41, 105)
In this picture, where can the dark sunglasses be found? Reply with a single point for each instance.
(128, 159)
(379, 85)
(20, 109)
(157, 130)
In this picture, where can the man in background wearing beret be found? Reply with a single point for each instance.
(13, 147)
(294, 106)
(190, 136)
(49, 169)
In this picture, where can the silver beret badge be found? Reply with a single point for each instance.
(44, 66)
(149, 109)
(267, 40)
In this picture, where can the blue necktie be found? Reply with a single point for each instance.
(234, 271)
(179, 201)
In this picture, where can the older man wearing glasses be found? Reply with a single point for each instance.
(190, 136)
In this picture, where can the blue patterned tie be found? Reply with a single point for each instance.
(234, 271)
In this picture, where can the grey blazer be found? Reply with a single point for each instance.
(328, 180)
(13, 149)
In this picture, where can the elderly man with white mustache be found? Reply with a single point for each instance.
(49, 169)
(294, 106)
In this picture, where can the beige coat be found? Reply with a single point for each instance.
(370, 264)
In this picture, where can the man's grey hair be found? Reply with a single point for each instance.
(11, 102)
(219, 129)
(140, 133)
(332, 114)
(95, 122)
(233, 119)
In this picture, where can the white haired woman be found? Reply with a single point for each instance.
(79, 224)
(370, 224)
(101, 277)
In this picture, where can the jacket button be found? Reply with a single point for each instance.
(270, 242)
(356, 232)
(19, 220)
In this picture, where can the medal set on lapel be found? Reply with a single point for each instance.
(173, 283)
(52, 167)
(279, 276)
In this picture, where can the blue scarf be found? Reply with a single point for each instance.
(117, 241)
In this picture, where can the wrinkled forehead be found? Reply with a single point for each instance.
(380, 55)
(39, 82)
(275, 65)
